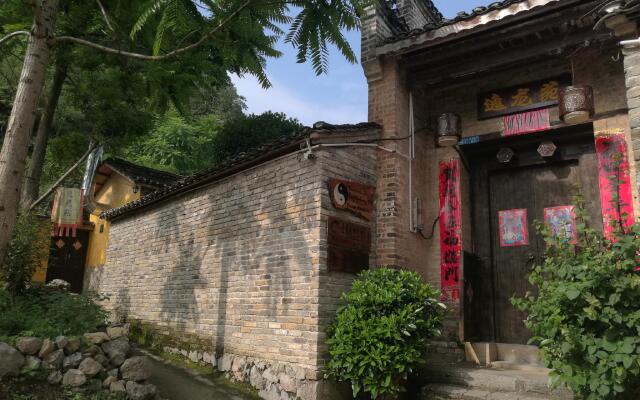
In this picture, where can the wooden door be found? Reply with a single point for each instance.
(67, 259)
(531, 189)
(494, 272)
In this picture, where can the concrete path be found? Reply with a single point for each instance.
(178, 383)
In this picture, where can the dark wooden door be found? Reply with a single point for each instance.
(495, 273)
(531, 189)
(67, 259)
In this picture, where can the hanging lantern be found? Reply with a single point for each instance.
(449, 130)
(576, 104)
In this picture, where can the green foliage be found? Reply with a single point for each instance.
(189, 145)
(45, 312)
(175, 144)
(251, 131)
(585, 316)
(27, 248)
(28, 387)
(381, 333)
(244, 44)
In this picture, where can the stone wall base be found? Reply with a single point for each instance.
(281, 381)
(273, 380)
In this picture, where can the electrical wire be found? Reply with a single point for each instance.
(433, 230)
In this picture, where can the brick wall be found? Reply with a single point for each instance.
(352, 164)
(417, 13)
(240, 263)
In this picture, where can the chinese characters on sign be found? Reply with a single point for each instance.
(352, 196)
(514, 230)
(561, 221)
(526, 122)
(450, 229)
(615, 182)
(526, 97)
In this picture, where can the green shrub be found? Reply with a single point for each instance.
(44, 312)
(25, 252)
(381, 333)
(586, 315)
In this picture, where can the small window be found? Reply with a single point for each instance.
(101, 228)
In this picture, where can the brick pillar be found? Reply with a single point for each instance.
(632, 80)
(388, 106)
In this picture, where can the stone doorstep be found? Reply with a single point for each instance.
(532, 382)
(445, 352)
(446, 392)
(486, 353)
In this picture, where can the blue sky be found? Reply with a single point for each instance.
(338, 97)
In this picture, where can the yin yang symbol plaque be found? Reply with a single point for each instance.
(352, 196)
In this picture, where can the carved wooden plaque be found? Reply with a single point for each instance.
(349, 246)
(525, 97)
(352, 196)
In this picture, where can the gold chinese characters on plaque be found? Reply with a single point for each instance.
(525, 97)
(352, 196)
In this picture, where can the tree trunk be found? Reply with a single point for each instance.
(34, 171)
(20, 125)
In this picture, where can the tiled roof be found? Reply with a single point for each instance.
(238, 162)
(142, 175)
(460, 17)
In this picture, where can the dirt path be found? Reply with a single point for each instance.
(178, 383)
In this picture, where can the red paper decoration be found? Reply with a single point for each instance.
(450, 229)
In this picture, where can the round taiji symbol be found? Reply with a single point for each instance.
(340, 194)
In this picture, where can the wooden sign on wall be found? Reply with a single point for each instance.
(525, 97)
(352, 196)
(349, 246)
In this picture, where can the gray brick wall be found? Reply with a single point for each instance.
(241, 262)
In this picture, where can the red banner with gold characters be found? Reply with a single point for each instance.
(450, 229)
(615, 182)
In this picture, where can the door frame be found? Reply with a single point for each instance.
(83, 235)
(478, 276)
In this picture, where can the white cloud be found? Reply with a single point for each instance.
(298, 103)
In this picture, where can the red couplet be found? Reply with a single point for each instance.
(615, 183)
(450, 229)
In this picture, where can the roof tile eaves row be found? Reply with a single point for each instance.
(234, 161)
(462, 16)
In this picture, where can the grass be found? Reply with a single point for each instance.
(37, 388)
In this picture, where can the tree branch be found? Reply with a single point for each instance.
(14, 34)
(138, 56)
(104, 14)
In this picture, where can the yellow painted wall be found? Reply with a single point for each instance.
(117, 191)
(43, 240)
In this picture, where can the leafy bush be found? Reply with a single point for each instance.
(381, 333)
(44, 312)
(26, 250)
(585, 317)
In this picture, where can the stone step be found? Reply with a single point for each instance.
(446, 352)
(531, 382)
(446, 392)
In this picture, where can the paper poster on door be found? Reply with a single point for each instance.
(514, 230)
(561, 221)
